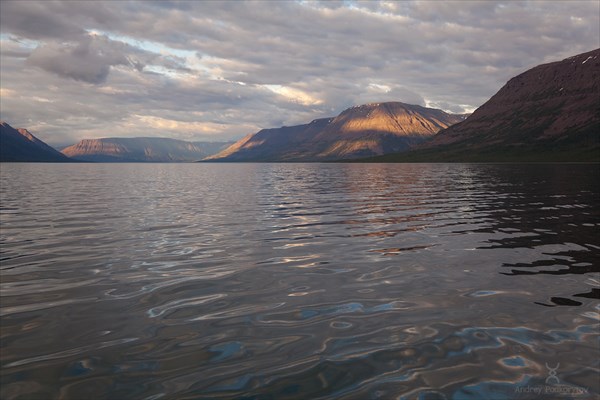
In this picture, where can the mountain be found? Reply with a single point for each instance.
(360, 131)
(548, 113)
(210, 148)
(144, 149)
(283, 143)
(19, 145)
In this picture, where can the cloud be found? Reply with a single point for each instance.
(6, 92)
(88, 60)
(91, 56)
(225, 69)
(42, 20)
(294, 95)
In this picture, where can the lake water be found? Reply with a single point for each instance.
(300, 281)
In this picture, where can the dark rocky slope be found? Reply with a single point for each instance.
(548, 113)
(19, 145)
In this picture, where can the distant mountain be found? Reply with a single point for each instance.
(19, 145)
(144, 149)
(210, 148)
(548, 113)
(285, 143)
(361, 131)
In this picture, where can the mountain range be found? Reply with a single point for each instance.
(548, 113)
(144, 149)
(20, 145)
(361, 131)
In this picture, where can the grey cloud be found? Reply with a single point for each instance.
(447, 54)
(13, 48)
(67, 114)
(91, 57)
(33, 20)
(58, 19)
(404, 95)
(87, 60)
(16, 54)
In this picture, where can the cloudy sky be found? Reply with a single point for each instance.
(220, 70)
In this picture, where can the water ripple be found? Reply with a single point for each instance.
(295, 281)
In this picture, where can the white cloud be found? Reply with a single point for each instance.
(295, 95)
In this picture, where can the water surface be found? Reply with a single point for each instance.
(299, 281)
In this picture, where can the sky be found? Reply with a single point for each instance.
(216, 71)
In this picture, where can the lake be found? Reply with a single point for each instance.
(300, 281)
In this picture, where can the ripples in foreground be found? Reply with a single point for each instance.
(299, 281)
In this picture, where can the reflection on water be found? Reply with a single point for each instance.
(296, 281)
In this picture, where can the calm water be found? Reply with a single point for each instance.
(300, 281)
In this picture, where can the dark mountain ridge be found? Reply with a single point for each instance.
(548, 113)
(20, 145)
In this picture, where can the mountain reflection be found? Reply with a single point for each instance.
(553, 211)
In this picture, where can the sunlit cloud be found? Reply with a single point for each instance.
(294, 95)
(158, 124)
(4, 92)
